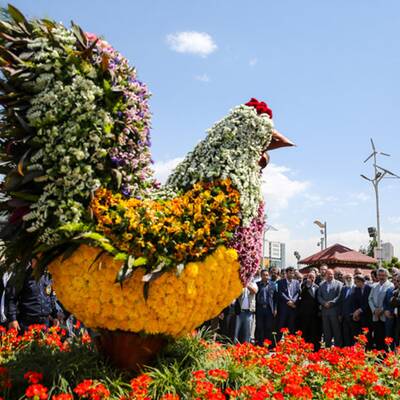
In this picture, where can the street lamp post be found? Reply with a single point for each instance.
(323, 230)
(379, 174)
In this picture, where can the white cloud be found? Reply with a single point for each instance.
(279, 188)
(202, 78)
(199, 43)
(162, 169)
(253, 61)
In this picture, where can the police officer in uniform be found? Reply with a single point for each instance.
(34, 303)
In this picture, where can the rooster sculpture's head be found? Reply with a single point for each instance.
(236, 147)
(276, 139)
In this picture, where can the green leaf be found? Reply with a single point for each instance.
(12, 181)
(10, 56)
(94, 236)
(98, 256)
(3, 62)
(25, 196)
(20, 166)
(140, 261)
(25, 126)
(74, 227)
(121, 257)
(79, 34)
(146, 288)
(154, 274)
(17, 15)
(69, 251)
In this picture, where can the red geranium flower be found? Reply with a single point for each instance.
(388, 340)
(357, 390)
(36, 391)
(218, 373)
(33, 377)
(62, 396)
(170, 396)
(381, 390)
(92, 390)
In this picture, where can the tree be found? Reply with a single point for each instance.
(370, 249)
(393, 263)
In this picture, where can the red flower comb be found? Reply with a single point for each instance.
(260, 106)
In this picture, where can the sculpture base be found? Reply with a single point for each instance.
(129, 351)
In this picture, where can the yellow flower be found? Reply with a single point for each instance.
(175, 305)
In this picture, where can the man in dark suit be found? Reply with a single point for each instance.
(346, 311)
(266, 308)
(34, 303)
(308, 311)
(361, 311)
(322, 274)
(288, 294)
(329, 297)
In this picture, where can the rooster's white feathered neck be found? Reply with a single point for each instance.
(231, 149)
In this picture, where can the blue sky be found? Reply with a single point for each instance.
(328, 69)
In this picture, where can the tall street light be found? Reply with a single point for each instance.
(324, 239)
(379, 174)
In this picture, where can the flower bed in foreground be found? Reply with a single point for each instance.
(44, 365)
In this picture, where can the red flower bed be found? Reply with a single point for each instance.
(239, 372)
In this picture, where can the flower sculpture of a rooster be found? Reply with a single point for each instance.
(127, 256)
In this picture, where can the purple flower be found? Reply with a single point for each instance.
(247, 241)
(126, 191)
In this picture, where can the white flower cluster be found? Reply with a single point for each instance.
(72, 134)
(232, 149)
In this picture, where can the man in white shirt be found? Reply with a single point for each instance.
(375, 301)
(246, 306)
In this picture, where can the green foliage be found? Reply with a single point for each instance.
(393, 263)
(63, 370)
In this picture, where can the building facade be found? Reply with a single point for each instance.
(274, 254)
(387, 251)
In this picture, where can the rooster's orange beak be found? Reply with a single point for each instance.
(278, 140)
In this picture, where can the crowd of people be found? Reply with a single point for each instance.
(326, 306)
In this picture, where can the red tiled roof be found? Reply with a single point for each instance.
(338, 254)
(343, 269)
